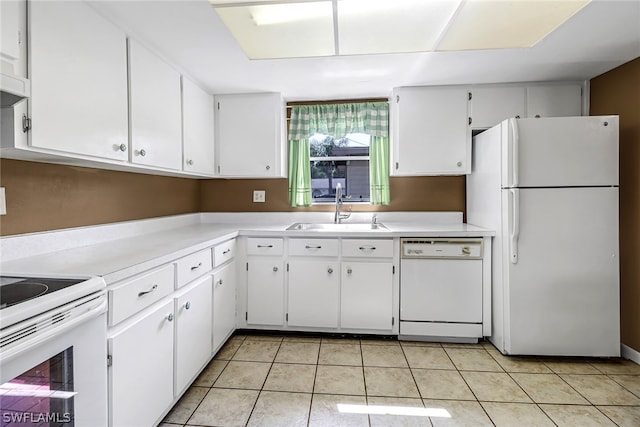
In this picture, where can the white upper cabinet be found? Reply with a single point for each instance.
(197, 123)
(13, 21)
(492, 104)
(249, 135)
(156, 128)
(561, 100)
(431, 132)
(78, 72)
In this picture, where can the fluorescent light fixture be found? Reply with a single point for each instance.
(393, 410)
(491, 24)
(268, 29)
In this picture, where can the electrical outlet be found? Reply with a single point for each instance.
(258, 196)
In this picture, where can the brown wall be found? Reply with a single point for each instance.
(618, 92)
(46, 197)
(407, 194)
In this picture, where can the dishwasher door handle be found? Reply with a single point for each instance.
(514, 234)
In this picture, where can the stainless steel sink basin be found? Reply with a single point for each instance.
(305, 226)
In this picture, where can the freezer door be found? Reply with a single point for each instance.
(562, 287)
(560, 152)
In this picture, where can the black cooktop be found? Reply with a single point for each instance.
(14, 290)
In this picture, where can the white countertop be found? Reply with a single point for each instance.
(157, 243)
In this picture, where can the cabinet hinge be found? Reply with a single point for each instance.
(109, 360)
(393, 321)
(218, 105)
(246, 315)
(287, 267)
(247, 266)
(470, 120)
(26, 123)
(218, 169)
(470, 96)
(286, 316)
(393, 269)
(397, 98)
(397, 165)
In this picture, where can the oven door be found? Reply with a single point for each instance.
(58, 378)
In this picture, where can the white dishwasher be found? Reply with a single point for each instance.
(441, 289)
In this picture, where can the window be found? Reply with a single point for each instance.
(346, 143)
(343, 160)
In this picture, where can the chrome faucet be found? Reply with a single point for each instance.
(338, 217)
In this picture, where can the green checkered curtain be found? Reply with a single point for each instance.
(338, 120)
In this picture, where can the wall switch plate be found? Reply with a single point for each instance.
(258, 196)
(3, 202)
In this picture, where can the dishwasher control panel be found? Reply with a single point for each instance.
(442, 248)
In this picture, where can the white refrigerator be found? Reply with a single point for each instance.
(549, 189)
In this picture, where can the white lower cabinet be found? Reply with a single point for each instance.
(265, 291)
(224, 304)
(193, 331)
(366, 299)
(314, 293)
(140, 380)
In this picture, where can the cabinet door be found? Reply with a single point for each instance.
(78, 73)
(367, 295)
(491, 105)
(314, 293)
(12, 23)
(432, 135)
(265, 291)
(156, 128)
(248, 135)
(224, 304)
(554, 101)
(193, 331)
(141, 375)
(197, 109)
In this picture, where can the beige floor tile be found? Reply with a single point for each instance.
(516, 414)
(391, 342)
(281, 409)
(339, 340)
(601, 390)
(398, 412)
(519, 364)
(427, 358)
(294, 338)
(390, 382)
(326, 412)
(225, 407)
(186, 406)
(211, 373)
(239, 338)
(576, 416)
(461, 413)
(339, 380)
(441, 384)
(548, 388)
(247, 375)
(472, 359)
(630, 382)
(298, 352)
(494, 387)
(624, 416)
(383, 355)
(617, 367)
(291, 377)
(340, 354)
(270, 338)
(228, 350)
(572, 367)
(257, 351)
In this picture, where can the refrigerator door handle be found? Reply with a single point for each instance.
(515, 225)
(515, 142)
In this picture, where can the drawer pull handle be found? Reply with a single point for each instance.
(330, 270)
(367, 248)
(153, 288)
(170, 317)
(265, 246)
(220, 282)
(313, 247)
(187, 306)
(275, 268)
(226, 252)
(349, 270)
(195, 267)
(466, 250)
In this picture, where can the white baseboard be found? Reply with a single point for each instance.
(629, 353)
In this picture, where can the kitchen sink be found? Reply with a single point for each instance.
(310, 226)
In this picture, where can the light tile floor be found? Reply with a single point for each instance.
(273, 380)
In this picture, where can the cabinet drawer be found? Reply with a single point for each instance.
(224, 252)
(268, 246)
(313, 247)
(368, 248)
(193, 266)
(138, 293)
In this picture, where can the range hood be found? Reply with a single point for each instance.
(13, 89)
